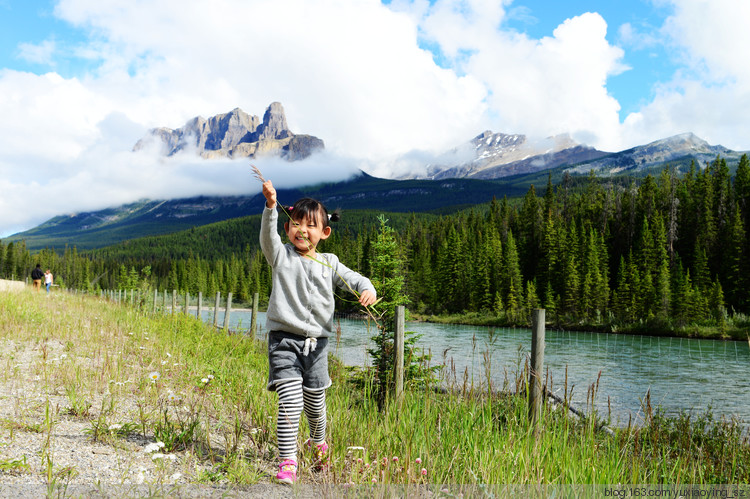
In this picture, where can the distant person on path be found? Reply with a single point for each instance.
(48, 280)
(36, 278)
(300, 321)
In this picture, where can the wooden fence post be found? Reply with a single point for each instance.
(398, 345)
(216, 309)
(200, 305)
(537, 364)
(156, 295)
(187, 301)
(164, 302)
(254, 317)
(174, 301)
(227, 311)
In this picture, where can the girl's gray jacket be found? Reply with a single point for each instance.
(301, 299)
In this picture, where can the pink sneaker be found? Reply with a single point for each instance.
(320, 455)
(287, 472)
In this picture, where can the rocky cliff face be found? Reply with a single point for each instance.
(235, 134)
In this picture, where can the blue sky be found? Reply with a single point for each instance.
(388, 86)
(29, 32)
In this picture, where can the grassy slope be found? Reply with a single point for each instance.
(470, 437)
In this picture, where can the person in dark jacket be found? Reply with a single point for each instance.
(36, 277)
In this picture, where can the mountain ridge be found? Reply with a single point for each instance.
(684, 146)
(87, 230)
(499, 155)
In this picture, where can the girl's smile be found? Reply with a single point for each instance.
(305, 234)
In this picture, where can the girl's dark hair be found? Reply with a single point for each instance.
(312, 209)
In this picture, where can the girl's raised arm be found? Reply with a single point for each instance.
(270, 194)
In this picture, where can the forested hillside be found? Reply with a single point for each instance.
(663, 252)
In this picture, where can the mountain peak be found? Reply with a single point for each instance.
(235, 134)
(274, 123)
(682, 139)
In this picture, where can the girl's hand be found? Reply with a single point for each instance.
(270, 194)
(367, 298)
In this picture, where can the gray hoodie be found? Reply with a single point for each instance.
(301, 299)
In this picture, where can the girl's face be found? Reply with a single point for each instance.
(305, 234)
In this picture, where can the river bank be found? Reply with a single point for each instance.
(734, 329)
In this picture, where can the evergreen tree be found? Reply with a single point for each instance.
(451, 265)
(388, 279)
(735, 268)
(529, 237)
(9, 269)
(622, 296)
(571, 279)
(513, 283)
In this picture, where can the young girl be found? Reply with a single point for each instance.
(300, 320)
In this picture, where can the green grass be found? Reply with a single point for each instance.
(102, 357)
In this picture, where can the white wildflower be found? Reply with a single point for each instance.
(153, 447)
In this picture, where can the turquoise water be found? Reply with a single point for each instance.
(680, 374)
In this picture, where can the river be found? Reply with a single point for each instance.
(680, 374)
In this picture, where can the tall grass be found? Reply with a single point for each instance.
(173, 379)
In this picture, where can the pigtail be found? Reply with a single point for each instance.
(335, 215)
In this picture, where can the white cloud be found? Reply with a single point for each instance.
(540, 87)
(710, 93)
(41, 53)
(331, 63)
(713, 35)
(47, 116)
(637, 38)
